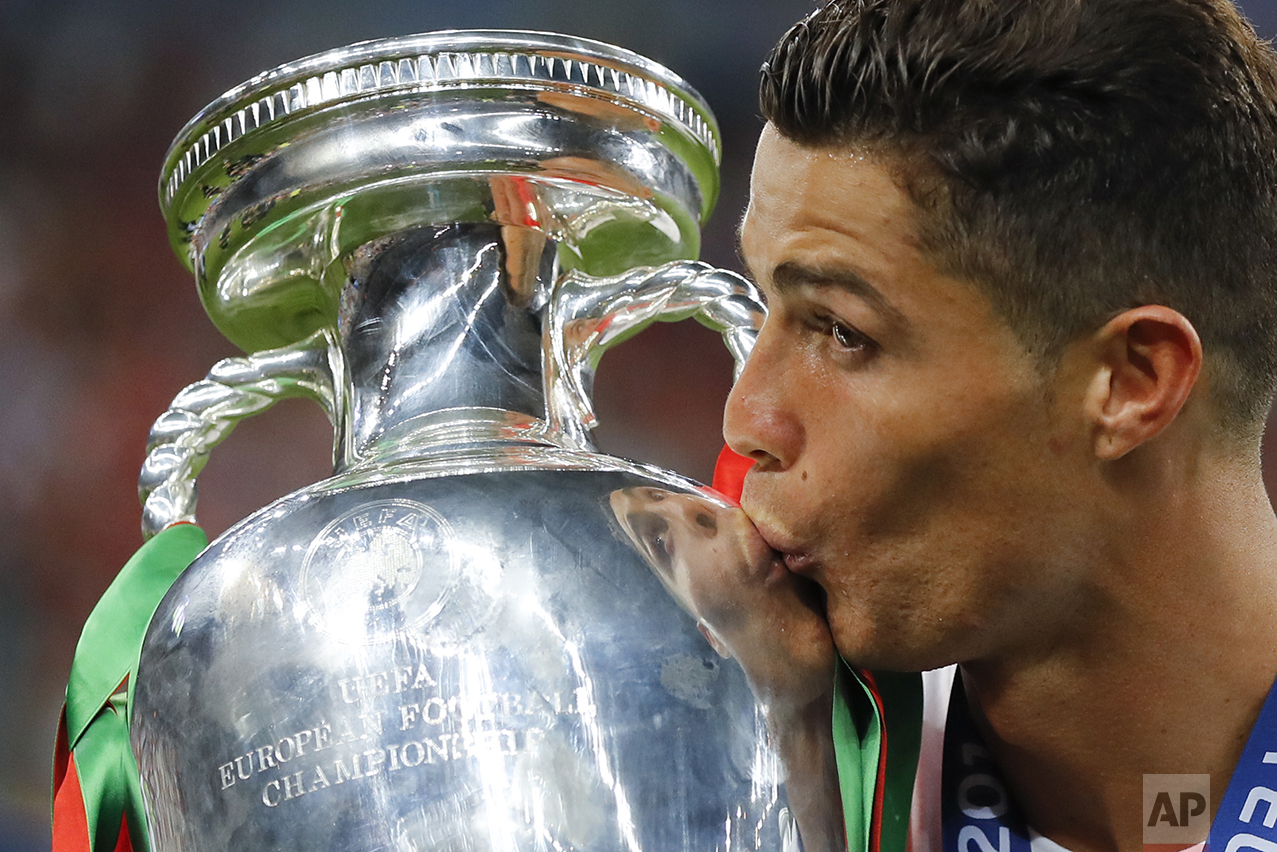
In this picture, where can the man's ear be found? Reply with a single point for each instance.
(1150, 358)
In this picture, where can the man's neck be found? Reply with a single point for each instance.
(1167, 678)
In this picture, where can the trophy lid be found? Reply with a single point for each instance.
(269, 171)
(437, 60)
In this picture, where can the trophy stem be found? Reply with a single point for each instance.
(442, 318)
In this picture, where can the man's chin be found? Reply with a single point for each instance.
(876, 649)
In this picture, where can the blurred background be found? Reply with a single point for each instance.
(101, 325)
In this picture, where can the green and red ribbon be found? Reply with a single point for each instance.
(97, 797)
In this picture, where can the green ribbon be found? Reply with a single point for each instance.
(901, 694)
(100, 687)
(858, 730)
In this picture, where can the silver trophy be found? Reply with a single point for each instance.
(479, 634)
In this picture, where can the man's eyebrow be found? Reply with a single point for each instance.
(792, 275)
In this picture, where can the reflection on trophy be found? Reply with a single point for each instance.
(461, 640)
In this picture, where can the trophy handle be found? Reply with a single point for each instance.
(589, 315)
(203, 414)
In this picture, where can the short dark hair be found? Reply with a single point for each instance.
(1071, 158)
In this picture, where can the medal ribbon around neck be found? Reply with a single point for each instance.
(978, 814)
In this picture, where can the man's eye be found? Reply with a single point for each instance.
(845, 337)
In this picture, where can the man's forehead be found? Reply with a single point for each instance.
(801, 196)
(859, 239)
(797, 184)
(773, 146)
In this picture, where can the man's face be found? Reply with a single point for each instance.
(911, 458)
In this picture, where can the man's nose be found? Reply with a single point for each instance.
(759, 422)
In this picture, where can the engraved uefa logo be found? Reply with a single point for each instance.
(379, 570)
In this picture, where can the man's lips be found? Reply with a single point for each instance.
(787, 568)
(796, 558)
(798, 562)
(788, 563)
